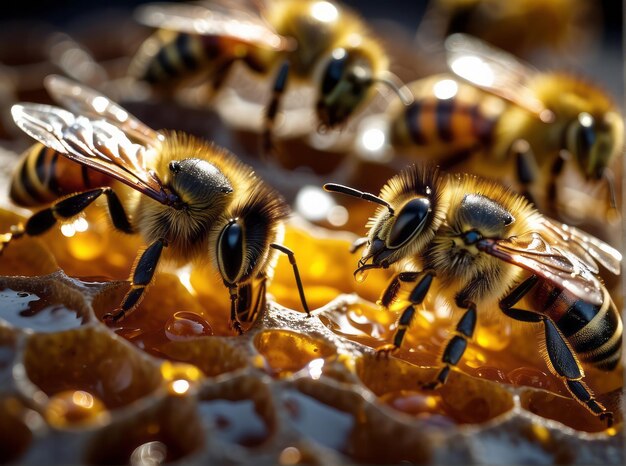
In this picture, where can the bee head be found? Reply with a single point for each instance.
(242, 239)
(594, 141)
(408, 221)
(346, 82)
(199, 184)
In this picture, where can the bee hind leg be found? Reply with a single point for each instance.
(417, 296)
(142, 277)
(560, 358)
(65, 209)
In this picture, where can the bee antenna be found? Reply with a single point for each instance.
(396, 85)
(339, 188)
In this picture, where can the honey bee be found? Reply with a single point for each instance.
(190, 200)
(312, 42)
(507, 112)
(521, 27)
(487, 244)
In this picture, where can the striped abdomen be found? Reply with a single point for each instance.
(43, 175)
(179, 56)
(593, 331)
(447, 115)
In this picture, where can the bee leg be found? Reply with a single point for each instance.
(235, 323)
(457, 345)
(416, 297)
(358, 244)
(142, 276)
(561, 359)
(296, 273)
(65, 209)
(280, 83)
(555, 171)
(525, 166)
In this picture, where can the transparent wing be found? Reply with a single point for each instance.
(83, 100)
(97, 144)
(563, 268)
(581, 243)
(495, 71)
(214, 19)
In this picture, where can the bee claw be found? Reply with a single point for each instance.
(113, 317)
(236, 326)
(385, 351)
(431, 385)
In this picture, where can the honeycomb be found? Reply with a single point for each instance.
(173, 384)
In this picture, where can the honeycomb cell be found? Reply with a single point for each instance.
(342, 420)
(181, 379)
(167, 313)
(286, 352)
(75, 408)
(239, 411)
(462, 400)
(567, 410)
(41, 306)
(15, 435)
(90, 360)
(213, 356)
(169, 431)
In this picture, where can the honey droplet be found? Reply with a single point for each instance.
(180, 377)
(149, 454)
(530, 377)
(187, 326)
(290, 455)
(74, 407)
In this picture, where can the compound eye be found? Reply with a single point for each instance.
(409, 221)
(584, 136)
(230, 251)
(174, 166)
(334, 70)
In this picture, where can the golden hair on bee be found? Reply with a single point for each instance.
(189, 199)
(487, 246)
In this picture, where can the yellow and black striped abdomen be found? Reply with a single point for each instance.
(446, 113)
(169, 57)
(593, 331)
(43, 175)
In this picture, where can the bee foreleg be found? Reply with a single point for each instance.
(416, 297)
(296, 273)
(233, 291)
(142, 276)
(457, 345)
(562, 361)
(280, 83)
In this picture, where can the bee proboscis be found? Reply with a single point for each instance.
(190, 200)
(485, 243)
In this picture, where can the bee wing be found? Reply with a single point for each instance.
(97, 144)
(213, 19)
(83, 100)
(551, 262)
(495, 71)
(577, 239)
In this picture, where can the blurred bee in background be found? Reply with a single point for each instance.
(521, 27)
(312, 42)
(505, 112)
(487, 245)
(190, 200)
